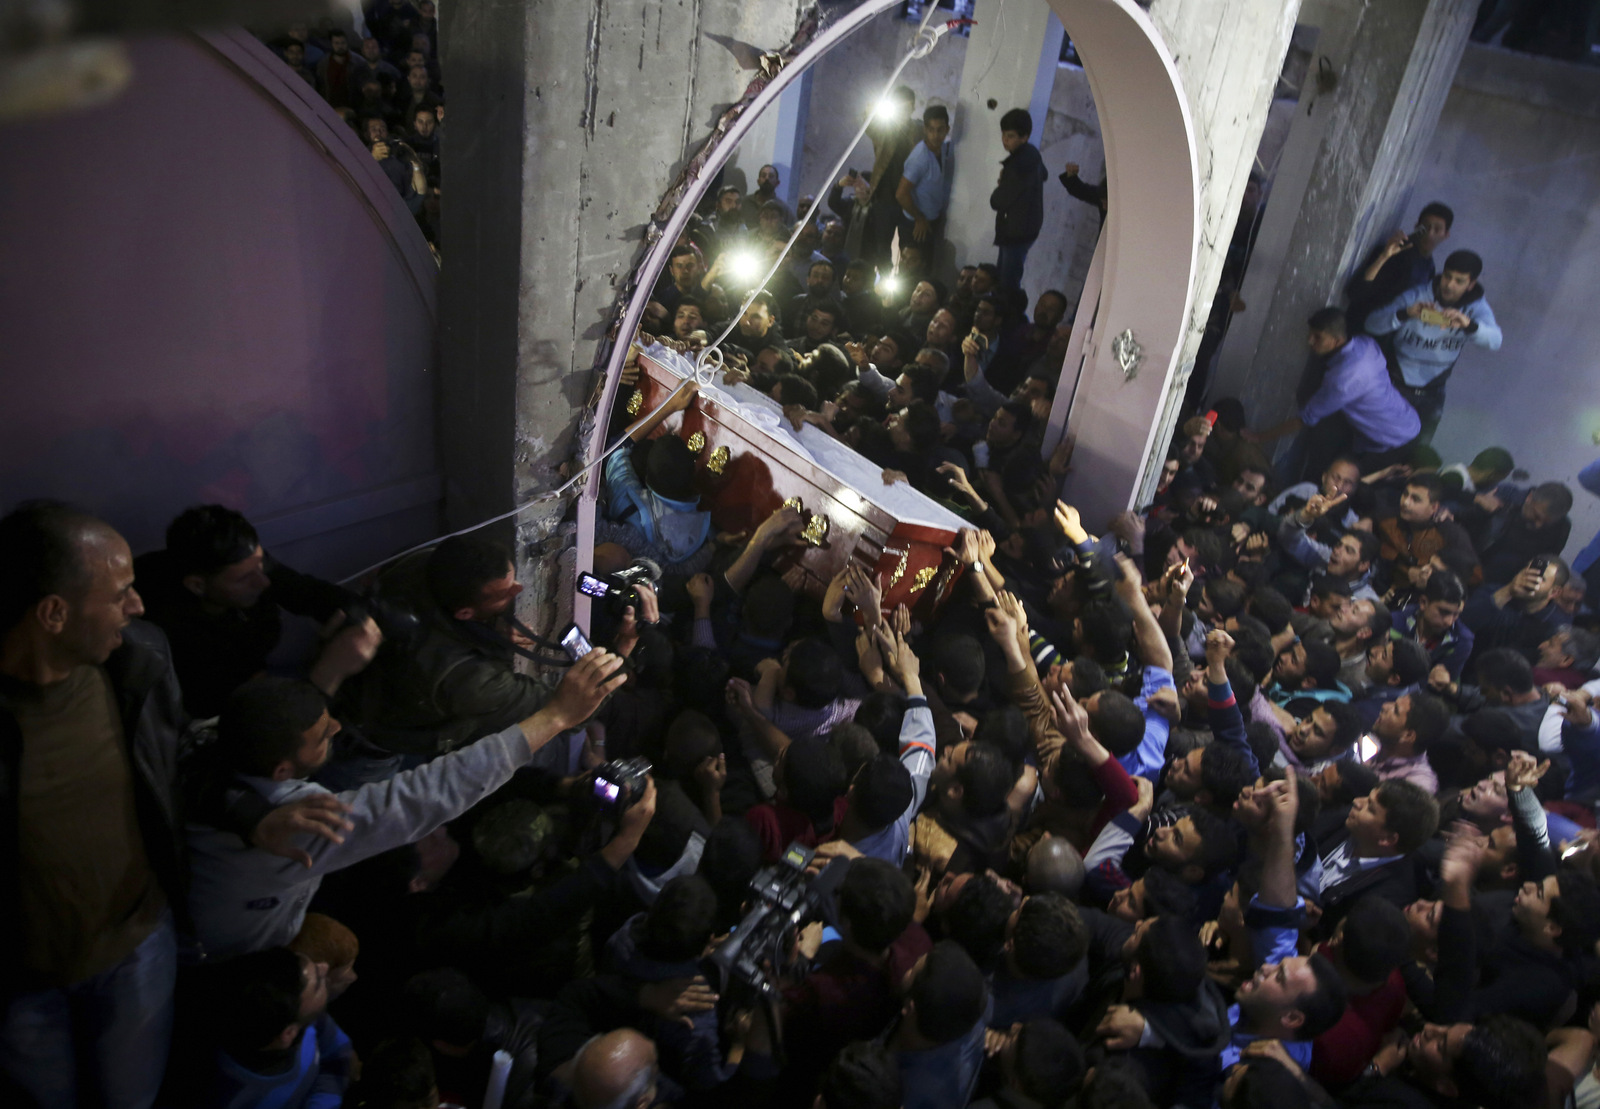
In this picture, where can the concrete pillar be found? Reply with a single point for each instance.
(1010, 62)
(568, 121)
(1394, 68)
(1229, 54)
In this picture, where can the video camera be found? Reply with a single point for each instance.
(618, 591)
(784, 898)
(621, 782)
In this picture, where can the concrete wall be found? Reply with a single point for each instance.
(210, 294)
(1517, 155)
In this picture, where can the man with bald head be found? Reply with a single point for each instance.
(615, 1071)
(1054, 866)
(92, 733)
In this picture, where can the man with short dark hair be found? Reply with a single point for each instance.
(924, 187)
(819, 293)
(1371, 855)
(217, 594)
(766, 191)
(1430, 324)
(1520, 614)
(1401, 263)
(1018, 197)
(939, 1038)
(94, 751)
(1406, 728)
(1418, 537)
(339, 74)
(1510, 526)
(276, 1042)
(1435, 623)
(1355, 386)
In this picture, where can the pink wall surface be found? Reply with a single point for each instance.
(208, 292)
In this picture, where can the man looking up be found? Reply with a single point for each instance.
(924, 187)
(767, 182)
(1402, 263)
(1355, 385)
(1416, 535)
(1018, 197)
(1434, 622)
(1431, 323)
(92, 734)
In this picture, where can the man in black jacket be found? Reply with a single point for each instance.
(217, 595)
(1018, 197)
(94, 748)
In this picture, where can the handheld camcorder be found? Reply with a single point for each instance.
(783, 897)
(618, 591)
(620, 783)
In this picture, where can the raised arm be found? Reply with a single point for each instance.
(681, 399)
(1147, 633)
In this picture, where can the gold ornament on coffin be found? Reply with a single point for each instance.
(816, 530)
(900, 570)
(697, 442)
(718, 459)
(924, 576)
(794, 503)
(636, 402)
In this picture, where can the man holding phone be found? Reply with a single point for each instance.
(1520, 614)
(1402, 262)
(1430, 324)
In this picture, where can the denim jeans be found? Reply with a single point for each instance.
(1011, 263)
(108, 1034)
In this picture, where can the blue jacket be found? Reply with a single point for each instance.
(1357, 384)
(316, 1080)
(1423, 351)
(673, 529)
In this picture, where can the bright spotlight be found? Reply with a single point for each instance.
(889, 110)
(745, 266)
(889, 286)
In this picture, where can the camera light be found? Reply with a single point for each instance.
(744, 266)
(888, 110)
(888, 285)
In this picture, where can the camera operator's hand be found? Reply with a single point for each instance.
(348, 652)
(678, 999)
(827, 852)
(320, 815)
(630, 827)
(583, 688)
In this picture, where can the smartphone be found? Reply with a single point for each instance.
(1434, 317)
(575, 643)
(1367, 747)
(1211, 417)
(1540, 564)
(1573, 850)
(591, 586)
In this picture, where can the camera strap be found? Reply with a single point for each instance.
(494, 636)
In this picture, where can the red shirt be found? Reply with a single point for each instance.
(778, 826)
(1340, 1054)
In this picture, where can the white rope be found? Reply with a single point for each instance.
(711, 359)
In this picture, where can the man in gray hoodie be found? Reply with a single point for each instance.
(277, 731)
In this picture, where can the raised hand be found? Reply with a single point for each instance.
(1120, 1028)
(1068, 520)
(1523, 772)
(1319, 506)
(319, 815)
(584, 687)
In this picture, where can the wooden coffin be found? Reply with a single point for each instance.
(750, 462)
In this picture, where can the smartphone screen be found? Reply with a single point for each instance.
(1366, 748)
(575, 643)
(592, 586)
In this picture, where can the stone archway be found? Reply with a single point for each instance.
(1121, 367)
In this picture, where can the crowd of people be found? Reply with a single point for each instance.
(383, 79)
(1276, 793)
